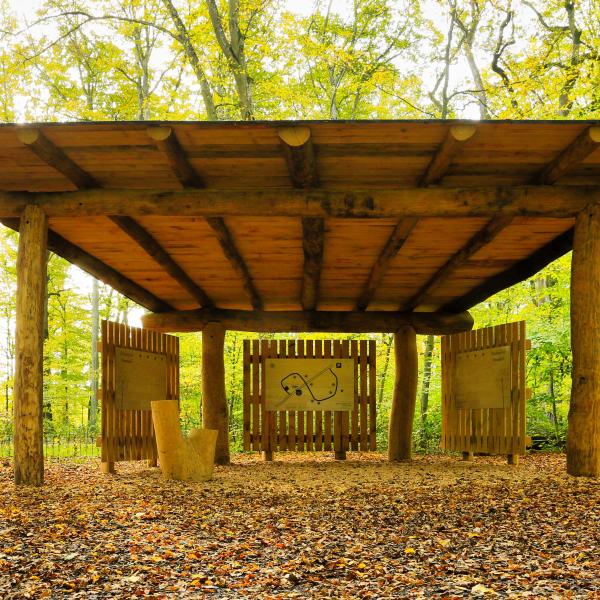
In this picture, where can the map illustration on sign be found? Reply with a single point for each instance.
(309, 384)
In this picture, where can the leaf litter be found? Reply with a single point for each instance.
(305, 526)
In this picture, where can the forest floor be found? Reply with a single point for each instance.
(305, 526)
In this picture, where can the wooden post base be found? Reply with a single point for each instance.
(467, 456)
(340, 455)
(152, 462)
(267, 455)
(107, 467)
(513, 459)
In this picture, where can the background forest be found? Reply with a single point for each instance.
(69, 60)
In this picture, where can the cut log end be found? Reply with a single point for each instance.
(294, 136)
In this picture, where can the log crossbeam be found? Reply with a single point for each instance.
(482, 238)
(235, 258)
(45, 150)
(571, 157)
(153, 248)
(166, 141)
(532, 200)
(98, 269)
(309, 321)
(456, 137)
(393, 245)
(300, 156)
(313, 233)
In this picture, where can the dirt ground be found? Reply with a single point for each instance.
(305, 526)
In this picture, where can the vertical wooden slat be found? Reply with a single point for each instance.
(327, 353)
(345, 414)
(522, 387)
(337, 415)
(256, 421)
(364, 438)
(372, 395)
(246, 393)
(318, 353)
(306, 350)
(356, 409)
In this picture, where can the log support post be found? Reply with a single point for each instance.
(513, 459)
(583, 440)
(467, 456)
(29, 345)
(214, 400)
(405, 395)
(267, 455)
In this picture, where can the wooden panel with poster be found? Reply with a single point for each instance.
(309, 395)
(138, 366)
(483, 390)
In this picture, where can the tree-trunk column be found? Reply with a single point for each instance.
(214, 401)
(405, 395)
(29, 345)
(583, 442)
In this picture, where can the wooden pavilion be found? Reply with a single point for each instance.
(396, 226)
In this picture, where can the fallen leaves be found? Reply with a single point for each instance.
(305, 526)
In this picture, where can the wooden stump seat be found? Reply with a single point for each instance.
(182, 458)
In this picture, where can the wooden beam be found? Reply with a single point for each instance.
(546, 201)
(214, 399)
(53, 156)
(309, 321)
(571, 157)
(166, 141)
(455, 138)
(583, 438)
(404, 399)
(151, 246)
(482, 238)
(29, 348)
(300, 156)
(101, 271)
(235, 258)
(313, 234)
(519, 272)
(396, 240)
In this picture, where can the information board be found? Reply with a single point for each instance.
(140, 378)
(483, 378)
(301, 384)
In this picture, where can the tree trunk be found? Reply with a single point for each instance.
(583, 443)
(405, 395)
(214, 400)
(28, 388)
(424, 403)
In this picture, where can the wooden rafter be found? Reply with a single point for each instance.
(235, 258)
(482, 238)
(543, 201)
(53, 156)
(571, 157)
(100, 270)
(396, 240)
(518, 272)
(310, 321)
(300, 156)
(456, 137)
(313, 234)
(166, 141)
(153, 248)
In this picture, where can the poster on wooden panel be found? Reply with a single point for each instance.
(484, 390)
(138, 366)
(309, 384)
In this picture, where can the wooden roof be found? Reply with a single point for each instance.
(493, 202)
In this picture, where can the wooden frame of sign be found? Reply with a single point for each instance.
(138, 366)
(310, 430)
(484, 392)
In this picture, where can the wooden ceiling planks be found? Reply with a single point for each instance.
(267, 265)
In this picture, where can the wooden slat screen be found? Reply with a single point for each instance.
(129, 434)
(310, 430)
(487, 430)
